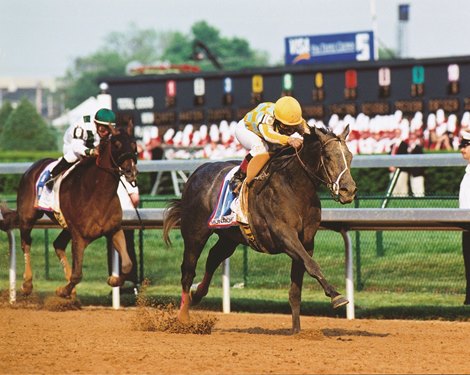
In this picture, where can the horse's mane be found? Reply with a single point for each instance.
(87, 161)
(286, 154)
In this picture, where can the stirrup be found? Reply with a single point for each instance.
(50, 183)
(236, 185)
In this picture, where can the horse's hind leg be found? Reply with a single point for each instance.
(60, 245)
(192, 251)
(223, 249)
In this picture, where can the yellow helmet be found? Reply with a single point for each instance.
(287, 110)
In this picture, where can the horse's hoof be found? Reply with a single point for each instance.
(339, 301)
(195, 297)
(61, 291)
(115, 281)
(27, 289)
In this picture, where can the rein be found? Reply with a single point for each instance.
(115, 165)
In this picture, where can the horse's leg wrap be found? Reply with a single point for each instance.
(27, 286)
(183, 313)
(201, 290)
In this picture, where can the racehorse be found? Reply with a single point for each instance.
(89, 204)
(284, 214)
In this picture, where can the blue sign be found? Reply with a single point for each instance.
(329, 48)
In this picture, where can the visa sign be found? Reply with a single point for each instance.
(329, 48)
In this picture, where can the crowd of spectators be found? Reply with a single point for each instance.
(368, 135)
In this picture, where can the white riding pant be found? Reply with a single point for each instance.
(71, 157)
(252, 142)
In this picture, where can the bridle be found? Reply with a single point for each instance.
(333, 186)
(115, 164)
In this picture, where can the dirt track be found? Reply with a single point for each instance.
(104, 341)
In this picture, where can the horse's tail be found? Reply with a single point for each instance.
(172, 218)
(9, 218)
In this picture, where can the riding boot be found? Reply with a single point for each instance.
(61, 166)
(237, 181)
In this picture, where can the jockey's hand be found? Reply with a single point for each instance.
(92, 152)
(295, 142)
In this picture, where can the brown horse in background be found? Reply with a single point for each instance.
(89, 204)
(284, 211)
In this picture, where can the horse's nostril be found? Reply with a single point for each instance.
(348, 190)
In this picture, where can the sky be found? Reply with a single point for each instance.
(41, 38)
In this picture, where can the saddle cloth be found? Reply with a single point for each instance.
(48, 200)
(222, 216)
(44, 196)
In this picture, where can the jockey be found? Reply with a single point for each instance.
(268, 123)
(82, 140)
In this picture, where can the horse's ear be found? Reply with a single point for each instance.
(320, 134)
(345, 132)
(130, 127)
(114, 131)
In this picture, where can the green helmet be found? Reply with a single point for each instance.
(106, 117)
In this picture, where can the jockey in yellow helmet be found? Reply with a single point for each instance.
(269, 123)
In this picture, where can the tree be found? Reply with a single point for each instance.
(231, 53)
(25, 129)
(82, 80)
(5, 112)
(147, 47)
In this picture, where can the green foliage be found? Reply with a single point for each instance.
(231, 53)
(5, 112)
(371, 181)
(9, 182)
(443, 181)
(25, 129)
(82, 80)
(143, 45)
(147, 46)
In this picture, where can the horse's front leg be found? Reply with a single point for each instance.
(26, 240)
(119, 243)
(297, 271)
(296, 251)
(78, 248)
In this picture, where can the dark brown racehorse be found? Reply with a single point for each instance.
(284, 210)
(90, 207)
